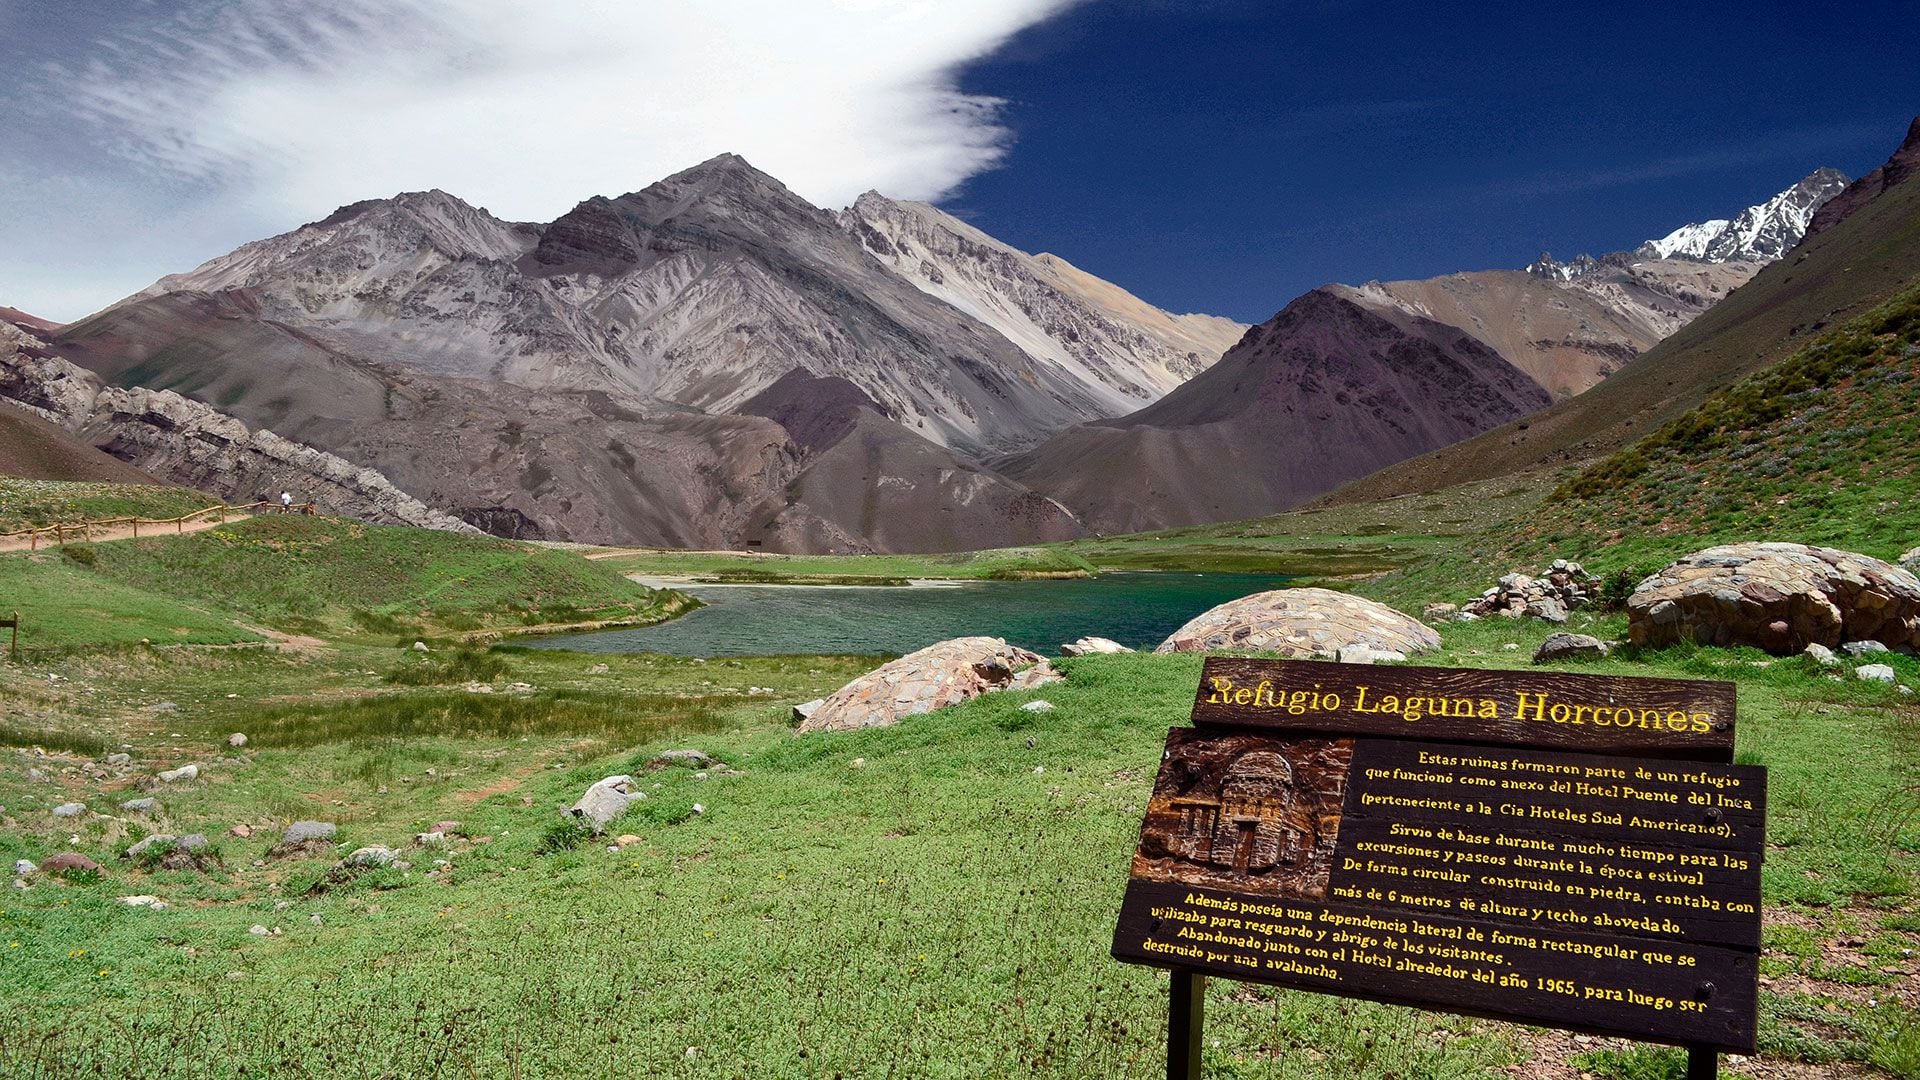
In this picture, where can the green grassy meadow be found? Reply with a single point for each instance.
(930, 900)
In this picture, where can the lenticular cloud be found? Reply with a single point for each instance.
(526, 108)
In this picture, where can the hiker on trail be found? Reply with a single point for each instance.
(286, 501)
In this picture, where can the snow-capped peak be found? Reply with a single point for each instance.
(1687, 241)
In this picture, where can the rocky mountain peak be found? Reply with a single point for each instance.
(1760, 233)
(1903, 164)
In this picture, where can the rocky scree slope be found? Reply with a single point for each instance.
(160, 434)
(585, 379)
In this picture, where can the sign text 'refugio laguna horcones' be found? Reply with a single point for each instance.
(1557, 849)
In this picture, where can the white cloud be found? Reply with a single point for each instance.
(280, 110)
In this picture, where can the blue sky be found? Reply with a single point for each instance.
(1211, 155)
(1228, 156)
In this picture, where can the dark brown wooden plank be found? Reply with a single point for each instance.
(1674, 718)
(1678, 993)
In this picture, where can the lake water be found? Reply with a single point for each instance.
(1135, 609)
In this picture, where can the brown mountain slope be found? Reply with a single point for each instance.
(1845, 268)
(33, 449)
(867, 483)
(1324, 392)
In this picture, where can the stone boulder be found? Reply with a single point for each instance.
(1092, 646)
(304, 839)
(1302, 623)
(935, 677)
(1778, 597)
(69, 864)
(605, 800)
(1910, 562)
(1569, 647)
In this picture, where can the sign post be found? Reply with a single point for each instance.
(1565, 850)
(13, 623)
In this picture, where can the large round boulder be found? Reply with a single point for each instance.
(1302, 623)
(937, 676)
(1778, 597)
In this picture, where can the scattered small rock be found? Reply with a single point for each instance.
(1880, 673)
(1037, 706)
(117, 760)
(805, 709)
(598, 669)
(1439, 612)
(23, 867)
(605, 800)
(1862, 648)
(430, 839)
(419, 646)
(1564, 587)
(301, 832)
(373, 855)
(237, 740)
(1569, 647)
(257, 931)
(141, 806)
(184, 772)
(242, 830)
(1367, 654)
(1092, 646)
(158, 841)
(626, 839)
(477, 688)
(70, 810)
(166, 706)
(686, 759)
(451, 828)
(144, 901)
(1821, 655)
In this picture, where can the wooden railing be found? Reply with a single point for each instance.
(69, 532)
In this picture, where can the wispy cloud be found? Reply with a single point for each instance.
(1794, 144)
(282, 109)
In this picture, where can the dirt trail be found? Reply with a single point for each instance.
(119, 532)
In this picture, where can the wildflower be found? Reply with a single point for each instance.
(103, 971)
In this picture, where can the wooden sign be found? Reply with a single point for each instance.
(1558, 710)
(1453, 865)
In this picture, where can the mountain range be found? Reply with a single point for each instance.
(711, 361)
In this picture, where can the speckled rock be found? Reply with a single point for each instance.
(1910, 562)
(1778, 597)
(943, 674)
(1302, 623)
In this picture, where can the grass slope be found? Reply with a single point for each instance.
(26, 504)
(1821, 449)
(310, 575)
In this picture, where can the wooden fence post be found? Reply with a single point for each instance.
(1186, 1020)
